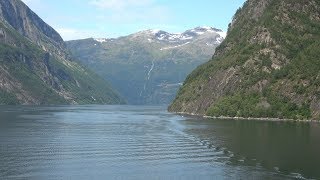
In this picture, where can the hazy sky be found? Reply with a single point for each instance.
(76, 19)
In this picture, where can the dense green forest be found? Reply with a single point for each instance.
(268, 66)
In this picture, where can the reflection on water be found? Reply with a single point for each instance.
(139, 142)
(288, 148)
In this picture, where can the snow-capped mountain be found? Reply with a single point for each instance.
(148, 67)
(205, 29)
(187, 36)
(202, 37)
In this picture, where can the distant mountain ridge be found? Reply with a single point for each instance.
(35, 67)
(180, 37)
(148, 67)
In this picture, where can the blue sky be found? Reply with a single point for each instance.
(78, 19)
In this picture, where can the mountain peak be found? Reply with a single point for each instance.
(152, 31)
(207, 28)
(188, 35)
(27, 23)
(36, 68)
(204, 29)
(163, 60)
(156, 31)
(101, 40)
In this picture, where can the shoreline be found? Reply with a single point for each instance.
(247, 119)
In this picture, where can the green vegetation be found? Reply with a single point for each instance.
(40, 78)
(254, 105)
(35, 67)
(274, 52)
(126, 63)
(7, 98)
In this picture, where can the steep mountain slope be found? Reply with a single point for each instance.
(34, 65)
(268, 66)
(149, 66)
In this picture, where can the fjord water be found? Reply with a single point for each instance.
(141, 142)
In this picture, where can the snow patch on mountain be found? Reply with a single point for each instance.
(214, 36)
(200, 33)
(222, 34)
(155, 31)
(219, 40)
(186, 38)
(101, 40)
(207, 27)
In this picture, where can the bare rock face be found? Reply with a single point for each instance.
(268, 65)
(35, 67)
(28, 24)
(2, 34)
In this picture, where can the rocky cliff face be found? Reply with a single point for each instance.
(268, 66)
(27, 23)
(35, 68)
(148, 67)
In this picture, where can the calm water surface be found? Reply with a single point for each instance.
(139, 142)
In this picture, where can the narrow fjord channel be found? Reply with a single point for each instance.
(146, 142)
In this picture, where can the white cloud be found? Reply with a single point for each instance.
(71, 34)
(103, 18)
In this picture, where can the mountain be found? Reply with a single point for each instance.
(268, 65)
(35, 67)
(148, 67)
